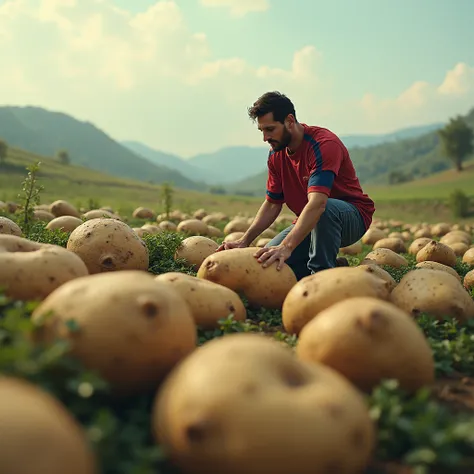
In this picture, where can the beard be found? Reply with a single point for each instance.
(283, 143)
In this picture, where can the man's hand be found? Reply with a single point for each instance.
(267, 255)
(236, 244)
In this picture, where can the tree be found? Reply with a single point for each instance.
(63, 157)
(3, 151)
(456, 141)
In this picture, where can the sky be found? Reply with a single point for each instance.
(180, 75)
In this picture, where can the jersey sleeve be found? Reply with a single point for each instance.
(325, 164)
(274, 185)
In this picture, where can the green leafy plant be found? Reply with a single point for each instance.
(30, 197)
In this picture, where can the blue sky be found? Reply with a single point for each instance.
(362, 66)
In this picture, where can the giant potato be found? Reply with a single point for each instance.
(125, 325)
(434, 292)
(107, 245)
(244, 404)
(418, 244)
(379, 272)
(368, 340)
(468, 257)
(395, 244)
(64, 223)
(383, 256)
(9, 227)
(314, 293)
(438, 266)
(468, 281)
(437, 252)
(194, 250)
(209, 302)
(240, 271)
(63, 208)
(31, 270)
(38, 433)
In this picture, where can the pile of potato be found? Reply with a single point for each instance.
(242, 402)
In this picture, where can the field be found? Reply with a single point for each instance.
(81, 186)
(427, 430)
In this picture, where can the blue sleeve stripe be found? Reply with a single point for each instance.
(276, 196)
(324, 178)
(317, 152)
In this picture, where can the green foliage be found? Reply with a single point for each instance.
(397, 177)
(456, 140)
(459, 203)
(420, 431)
(167, 198)
(63, 157)
(162, 248)
(30, 197)
(452, 344)
(38, 233)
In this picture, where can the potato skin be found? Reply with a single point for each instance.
(107, 245)
(132, 329)
(52, 266)
(275, 414)
(437, 252)
(395, 244)
(383, 256)
(468, 281)
(39, 434)
(208, 301)
(240, 271)
(434, 292)
(317, 292)
(379, 272)
(64, 223)
(194, 250)
(9, 227)
(438, 266)
(468, 257)
(367, 340)
(63, 208)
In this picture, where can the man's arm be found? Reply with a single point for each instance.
(265, 217)
(307, 220)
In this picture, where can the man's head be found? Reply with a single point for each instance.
(276, 118)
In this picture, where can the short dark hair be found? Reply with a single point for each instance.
(275, 102)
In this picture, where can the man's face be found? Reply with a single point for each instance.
(275, 133)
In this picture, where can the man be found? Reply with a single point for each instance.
(310, 170)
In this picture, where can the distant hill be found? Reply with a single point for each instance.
(45, 132)
(234, 164)
(172, 161)
(363, 141)
(415, 158)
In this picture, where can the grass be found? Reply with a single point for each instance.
(435, 187)
(82, 186)
(422, 430)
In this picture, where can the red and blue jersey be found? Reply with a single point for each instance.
(320, 164)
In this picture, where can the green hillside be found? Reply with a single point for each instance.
(81, 185)
(421, 200)
(437, 186)
(45, 132)
(415, 158)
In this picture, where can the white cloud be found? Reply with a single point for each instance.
(421, 103)
(239, 8)
(149, 77)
